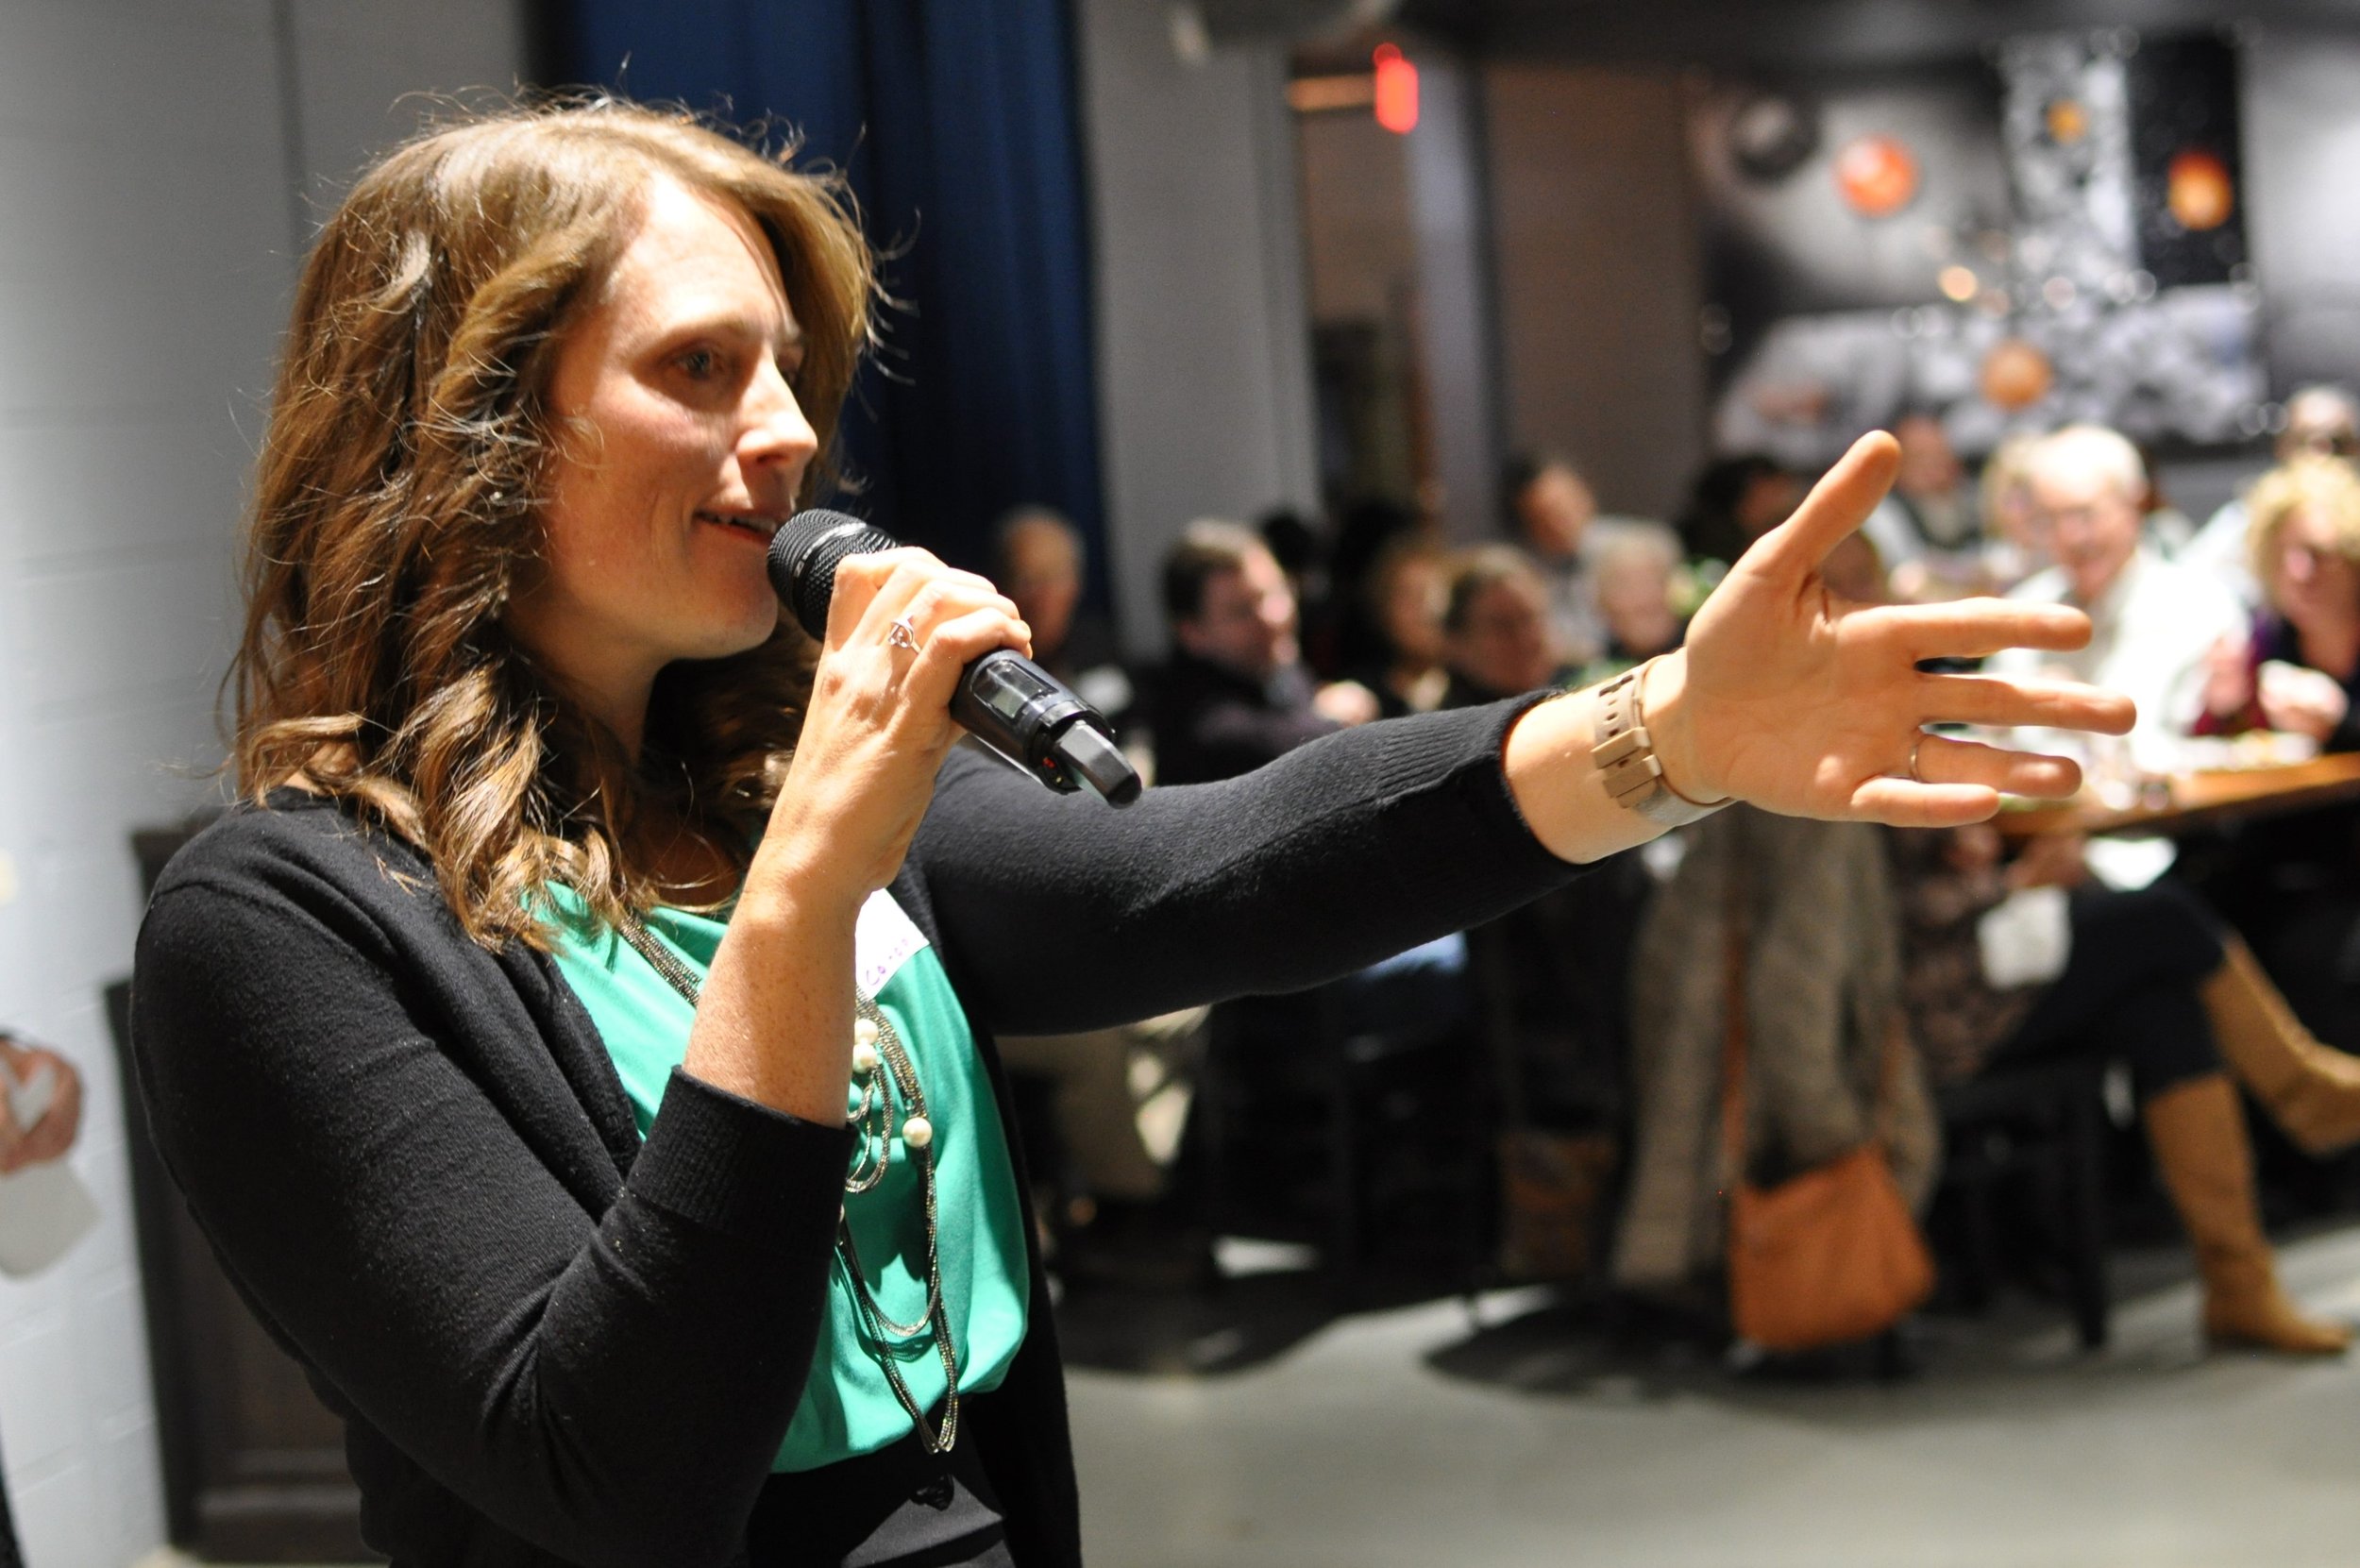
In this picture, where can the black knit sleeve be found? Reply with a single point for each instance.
(1059, 913)
(611, 1384)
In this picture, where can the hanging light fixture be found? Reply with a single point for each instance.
(1396, 90)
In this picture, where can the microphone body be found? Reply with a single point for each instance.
(1003, 700)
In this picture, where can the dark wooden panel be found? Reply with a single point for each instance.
(253, 1464)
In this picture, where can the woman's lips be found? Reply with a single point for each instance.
(759, 529)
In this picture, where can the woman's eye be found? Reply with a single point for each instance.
(701, 364)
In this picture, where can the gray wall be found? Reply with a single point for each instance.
(150, 222)
(1204, 350)
(1454, 296)
(1598, 275)
(2301, 110)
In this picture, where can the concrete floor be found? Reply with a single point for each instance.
(1258, 1430)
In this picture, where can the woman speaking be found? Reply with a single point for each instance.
(578, 1043)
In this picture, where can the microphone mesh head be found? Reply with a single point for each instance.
(803, 557)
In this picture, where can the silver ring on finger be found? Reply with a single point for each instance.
(1914, 747)
(899, 634)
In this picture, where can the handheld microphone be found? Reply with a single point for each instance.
(1004, 700)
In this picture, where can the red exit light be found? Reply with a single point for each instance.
(1396, 90)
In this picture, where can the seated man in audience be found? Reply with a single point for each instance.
(1235, 694)
(1553, 514)
(2154, 623)
(1037, 560)
(1928, 529)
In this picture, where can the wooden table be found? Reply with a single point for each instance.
(2190, 801)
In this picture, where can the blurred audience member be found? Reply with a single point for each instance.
(35, 1141)
(2321, 421)
(1497, 636)
(2147, 978)
(1038, 561)
(1734, 501)
(1348, 636)
(1553, 513)
(1822, 987)
(1295, 543)
(2299, 669)
(2291, 884)
(2154, 623)
(1235, 694)
(2004, 499)
(1406, 593)
(1636, 570)
(1927, 529)
(1120, 1101)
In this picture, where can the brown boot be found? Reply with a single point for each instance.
(2312, 1090)
(2197, 1131)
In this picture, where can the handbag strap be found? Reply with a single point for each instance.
(1733, 1022)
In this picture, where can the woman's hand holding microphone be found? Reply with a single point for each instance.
(901, 625)
(774, 1022)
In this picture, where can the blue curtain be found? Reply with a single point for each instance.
(958, 122)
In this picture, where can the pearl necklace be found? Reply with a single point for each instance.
(882, 1066)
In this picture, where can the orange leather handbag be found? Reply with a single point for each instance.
(1831, 1254)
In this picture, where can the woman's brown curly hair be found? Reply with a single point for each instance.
(396, 507)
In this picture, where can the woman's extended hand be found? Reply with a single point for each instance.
(900, 627)
(1801, 703)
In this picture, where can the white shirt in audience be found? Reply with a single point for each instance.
(2218, 550)
(2150, 631)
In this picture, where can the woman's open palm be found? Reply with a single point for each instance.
(1811, 705)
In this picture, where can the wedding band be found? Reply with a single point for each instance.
(1914, 745)
(899, 635)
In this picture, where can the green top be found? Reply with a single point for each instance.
(848, 1408)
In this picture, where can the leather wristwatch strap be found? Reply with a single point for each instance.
(1625, 759)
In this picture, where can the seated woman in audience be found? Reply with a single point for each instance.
(2299, 668)
(1497, 636)
(2005, 493)
(2150, 978)
(2292, 883)
(1822, 988)
(1406, 592)
(1636, 570)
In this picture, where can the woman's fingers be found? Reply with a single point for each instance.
(1906, 804)
(1837, 505)
(950, 646)
(1942, 760)
(1998, 703)
(907, 584)
(1974, 628)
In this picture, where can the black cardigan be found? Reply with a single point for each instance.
(551, 1344)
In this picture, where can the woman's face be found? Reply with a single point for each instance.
(680, 450)
(1635, 602)
(2313, 580)
(1505, 645)
(1413, 606)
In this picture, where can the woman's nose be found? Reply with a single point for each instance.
(776, 431)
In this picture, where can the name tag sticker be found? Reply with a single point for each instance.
(883, 940)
